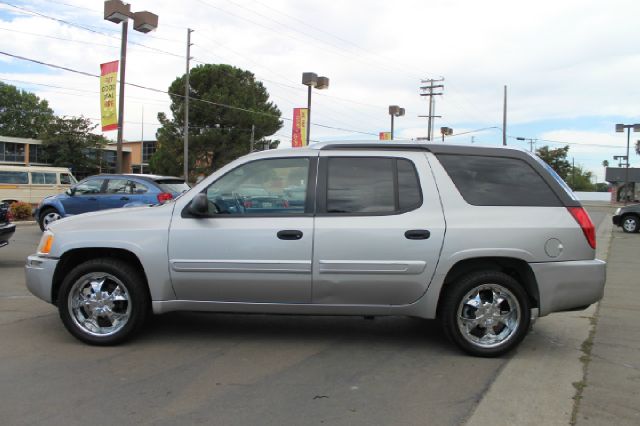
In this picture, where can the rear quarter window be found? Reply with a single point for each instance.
(498, 181)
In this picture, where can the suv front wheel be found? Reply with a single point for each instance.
(486, 313)
(103, 301)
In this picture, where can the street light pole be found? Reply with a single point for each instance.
(123, 67)
(311, 79)
(395, 111)
(118, 12)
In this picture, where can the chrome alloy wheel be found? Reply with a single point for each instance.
(50, 217)
(99, 304)
(488, 315)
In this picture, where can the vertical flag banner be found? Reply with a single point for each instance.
(385, 136)
(300, 127)
(108, 83)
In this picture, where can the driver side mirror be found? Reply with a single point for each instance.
(70, 191)
(200, 205)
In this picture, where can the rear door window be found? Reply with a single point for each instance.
(498, 181)
(43, 178)
(371, 185)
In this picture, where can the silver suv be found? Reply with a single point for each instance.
(484, 239)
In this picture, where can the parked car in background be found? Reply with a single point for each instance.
(483, 239)
(33, 183)
(103, 192)
(6, 227)
(628, 218)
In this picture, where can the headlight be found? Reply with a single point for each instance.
(617, 213)
(46, 241)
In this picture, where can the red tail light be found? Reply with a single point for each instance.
(248, 204)
(164, 197)
(582, 217)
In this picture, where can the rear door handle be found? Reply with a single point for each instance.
(417, 234)
(289, 234)
(124, 198)
(92, 199)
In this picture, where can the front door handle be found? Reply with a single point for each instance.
(289, 234)
(124, 199)
(417, 234)
(92, 199)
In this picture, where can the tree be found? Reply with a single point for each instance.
(557, 159)
(68, 142)
(22, 114)
(217, 134)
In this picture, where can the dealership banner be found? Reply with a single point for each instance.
(385, 136)
(300, 127)
(108, 83)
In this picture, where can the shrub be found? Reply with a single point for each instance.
(20, 210)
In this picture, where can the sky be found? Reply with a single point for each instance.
(570, 67)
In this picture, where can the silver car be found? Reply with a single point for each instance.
(484, 239)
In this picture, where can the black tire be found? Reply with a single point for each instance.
(630, 223)
(512, 320)
(43, 214)
(120, 281)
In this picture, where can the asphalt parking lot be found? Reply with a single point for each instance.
(253, 369)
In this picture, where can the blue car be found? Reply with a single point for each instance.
(103, 192)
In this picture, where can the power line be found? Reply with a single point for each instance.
(179, 95)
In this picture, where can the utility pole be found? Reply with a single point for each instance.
(186, 108)
(504, 118)
(253, 132)
(428, 90)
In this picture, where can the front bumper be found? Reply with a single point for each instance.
(564, 286)
(617, 220)
(39, 276)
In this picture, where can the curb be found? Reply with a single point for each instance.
(24, 222)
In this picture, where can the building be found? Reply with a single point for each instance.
(617, 176)
(141, 152)
(26, 152)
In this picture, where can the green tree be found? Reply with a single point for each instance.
(217, 134)
(22, 114)
(68, 142)
(557, 159)
(580, 179)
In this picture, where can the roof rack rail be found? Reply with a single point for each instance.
(377, 146)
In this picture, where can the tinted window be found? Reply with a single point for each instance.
(137, 187)
(91, 186)
(371, 185)
(260, 187)
(14, 177)
(118, 186)
(498, 181)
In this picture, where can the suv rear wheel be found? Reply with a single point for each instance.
(630, 224)
(486, 313)
(103, 301)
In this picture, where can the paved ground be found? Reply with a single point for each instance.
(255, 369)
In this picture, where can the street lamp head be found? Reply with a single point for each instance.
(393, 109)
(400, 112)
(636, 128)
(322, 83)
(145, 21)
(116, 11)
(520, 138)
(309, 79)
(619, 128)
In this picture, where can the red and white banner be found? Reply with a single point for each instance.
(108, 108)
(300, 127)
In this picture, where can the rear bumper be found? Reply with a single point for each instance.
(564, 286)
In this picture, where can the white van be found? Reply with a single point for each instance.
(32, 183)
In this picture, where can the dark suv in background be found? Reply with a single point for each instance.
(6, 227)
(103, 192)
(628, 218)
